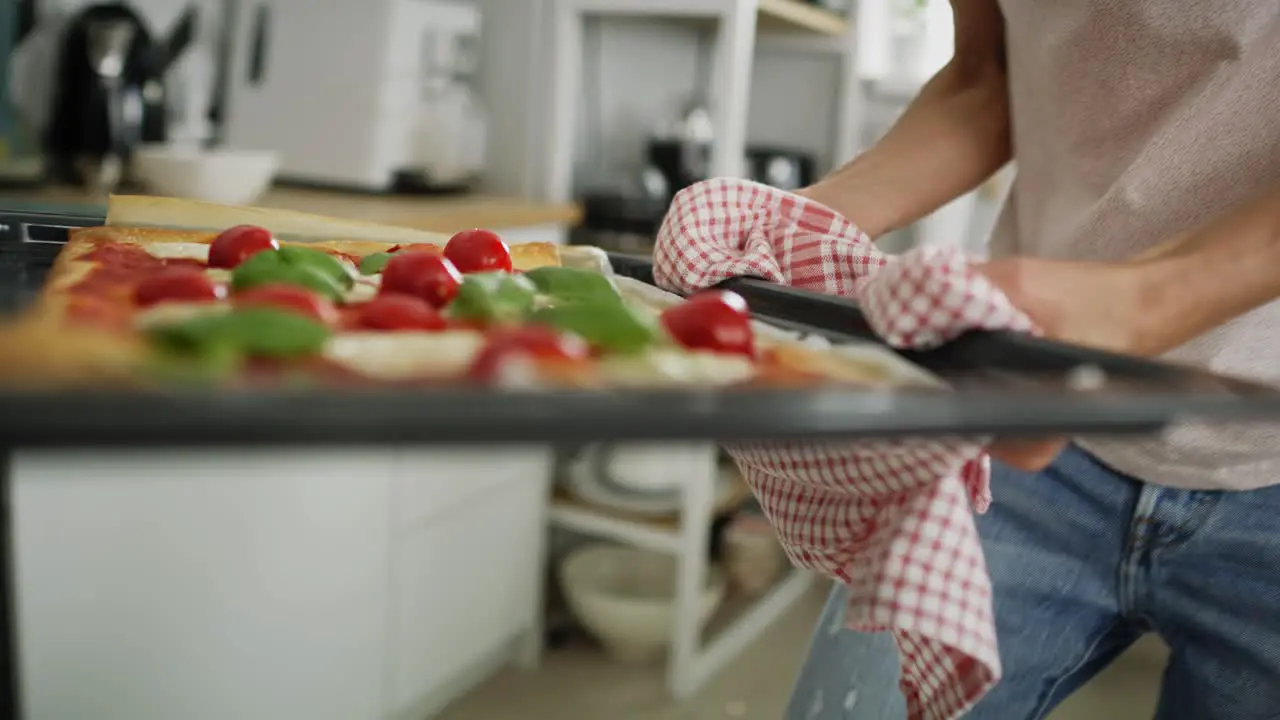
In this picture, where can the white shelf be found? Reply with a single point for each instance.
(739, 25)
(692, 660)
(798, 17)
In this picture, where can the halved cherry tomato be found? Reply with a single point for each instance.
(289, 297)
(237, 244)
(180, 284)
(474, 251)
(429, 277)
(716, 321)
(536, 343)
(400, 312)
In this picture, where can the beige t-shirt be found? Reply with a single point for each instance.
(1134, 120)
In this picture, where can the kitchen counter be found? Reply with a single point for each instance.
(444, 214)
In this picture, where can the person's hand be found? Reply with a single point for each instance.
(1094, 304)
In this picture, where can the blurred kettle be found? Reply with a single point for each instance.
(109, 93)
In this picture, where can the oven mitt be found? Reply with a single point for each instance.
(890, 518)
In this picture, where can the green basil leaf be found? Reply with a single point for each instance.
(494, 298)
(205, 366)
(611, 326)
(268, 332)
(373, 264)
(252, 273)
(319, 261)
(571, 285)
(261, 332)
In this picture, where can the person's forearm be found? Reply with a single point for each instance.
(952, 137)
(1204, 278)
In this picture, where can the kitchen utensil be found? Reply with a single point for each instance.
(234, 177)
(753, 557)
(625, 597)
(1002, 383)
(597, 476)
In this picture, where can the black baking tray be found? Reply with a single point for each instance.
(1002, 383)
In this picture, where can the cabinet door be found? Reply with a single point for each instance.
(463, 586)
(202, 585)
(429, 483)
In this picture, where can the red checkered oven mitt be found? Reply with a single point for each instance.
(891, 518)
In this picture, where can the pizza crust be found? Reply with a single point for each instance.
(37, 351)
(524, 256)
(138, 213)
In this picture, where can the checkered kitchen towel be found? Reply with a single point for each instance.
(890, 518)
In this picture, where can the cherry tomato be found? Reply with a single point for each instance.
(473, 251)
(180, 284)
(400, 312)
(716, 321)
(289, 297)
(237, 244)
(536, 343)
(422, 275)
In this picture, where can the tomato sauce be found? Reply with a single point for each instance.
(119, 266)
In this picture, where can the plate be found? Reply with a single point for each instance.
(592, 477)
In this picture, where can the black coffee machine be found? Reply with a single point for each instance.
(110, 94)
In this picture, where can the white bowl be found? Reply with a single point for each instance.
(231, 177)
(625, 597)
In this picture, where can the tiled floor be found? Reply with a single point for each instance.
(582, 685)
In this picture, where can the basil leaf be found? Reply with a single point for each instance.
(319, 261)
(571, 285)
(493, 298)
(611, 326)
(267, 332)
(373, 264)
(261, 332)
(267, 268)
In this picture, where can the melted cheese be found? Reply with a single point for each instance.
(365, 289)
(669, 367)
(175, 312)
(392, 356)
(176, 250)
(220, 276)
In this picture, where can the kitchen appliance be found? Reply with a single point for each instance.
(682, 153)
(109, 93)
(375, 95)
(784, 169)
(20, 160)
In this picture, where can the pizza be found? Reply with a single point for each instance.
(173, 292)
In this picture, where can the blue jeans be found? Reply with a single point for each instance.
(1084, 561)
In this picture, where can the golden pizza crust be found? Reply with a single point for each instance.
(524, 256)
(38, 351)
(829, 364)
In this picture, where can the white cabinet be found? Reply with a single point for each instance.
(336, 585)
(461, 595)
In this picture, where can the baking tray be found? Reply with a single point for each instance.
(1001, 384)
